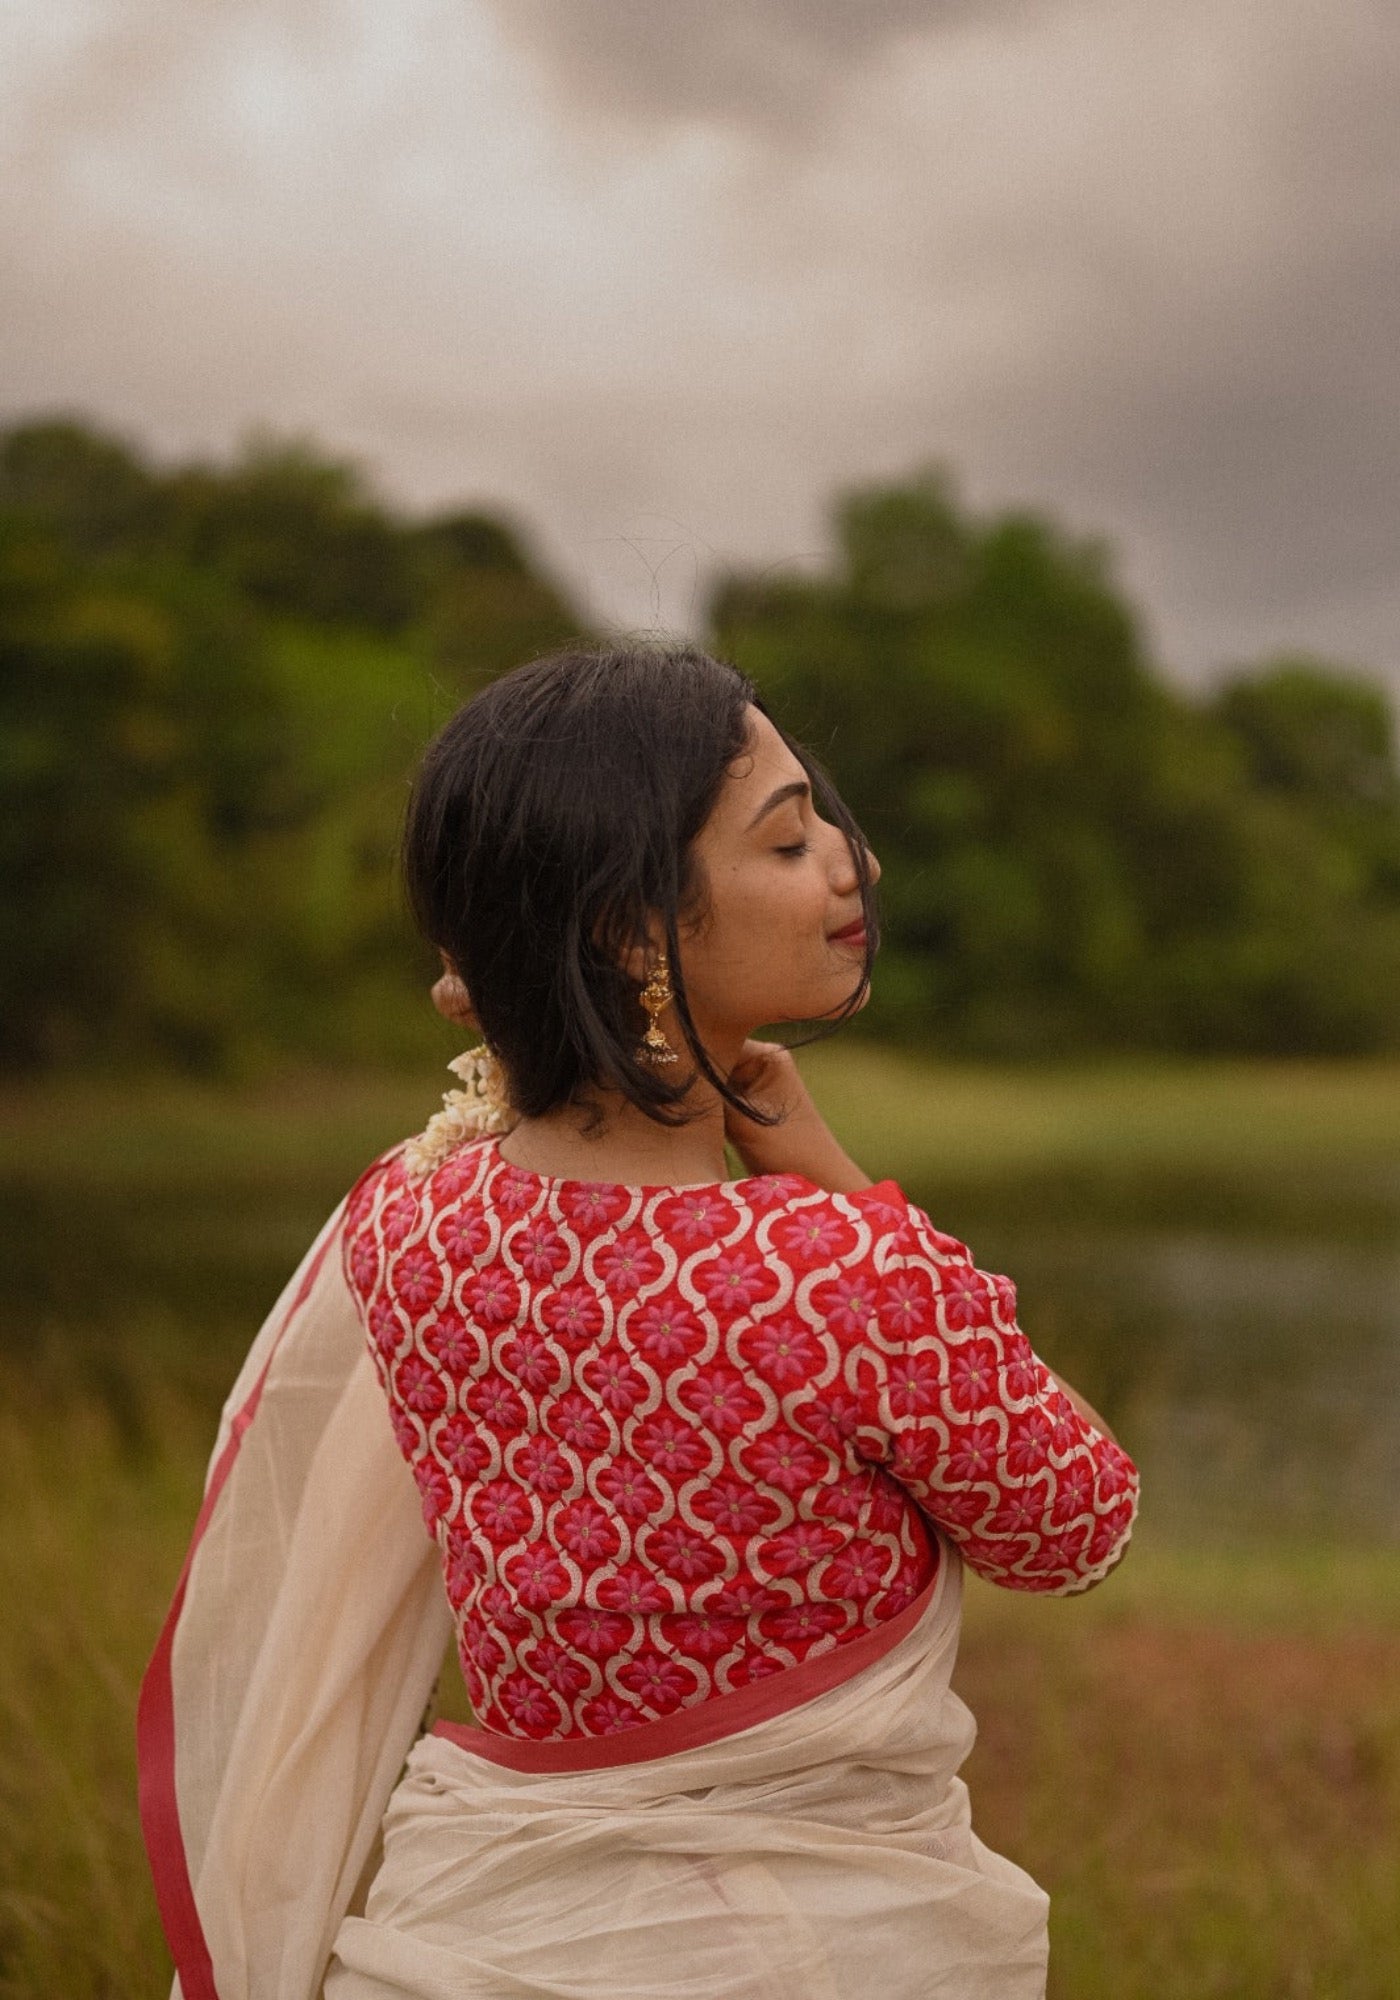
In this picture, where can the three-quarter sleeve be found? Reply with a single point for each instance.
(955, 1405)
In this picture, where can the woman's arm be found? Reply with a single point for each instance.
(805, 1144)
(1080, 1403)
(1009, 1462)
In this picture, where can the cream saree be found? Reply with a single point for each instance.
(821, 1852)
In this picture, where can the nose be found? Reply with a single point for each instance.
(844, 878)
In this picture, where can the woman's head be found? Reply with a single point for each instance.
(594, 808)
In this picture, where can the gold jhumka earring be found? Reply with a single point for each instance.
(656, 996)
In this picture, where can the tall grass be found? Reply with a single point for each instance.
(1201, 1761)
(89, 1555)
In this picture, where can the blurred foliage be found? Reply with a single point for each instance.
(1077, 854)
(215, 682)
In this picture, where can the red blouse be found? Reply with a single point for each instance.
(673, 1440)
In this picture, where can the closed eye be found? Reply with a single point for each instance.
(799, 847)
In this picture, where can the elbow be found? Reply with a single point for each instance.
(1068, 1560)
(1105, 1544)
(1079, 1586)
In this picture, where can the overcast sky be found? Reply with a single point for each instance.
(657, 277)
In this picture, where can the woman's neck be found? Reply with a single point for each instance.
(621, 1144)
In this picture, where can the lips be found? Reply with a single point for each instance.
(853, 933)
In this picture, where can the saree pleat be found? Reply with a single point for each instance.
(819, 1855)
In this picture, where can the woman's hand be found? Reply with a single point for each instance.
(803, 1143)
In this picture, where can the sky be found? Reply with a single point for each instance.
(658, 281)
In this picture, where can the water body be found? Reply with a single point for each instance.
(1258, 1382)
(1248, 1353)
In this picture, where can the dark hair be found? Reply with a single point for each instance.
(551, 816)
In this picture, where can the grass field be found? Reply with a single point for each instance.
(1201, 1761)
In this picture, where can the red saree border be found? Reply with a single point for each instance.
(722, 1715)
(155, 1706)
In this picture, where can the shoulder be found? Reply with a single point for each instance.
(897, 1225)
(878, 1226)
(897, 1257)
(929, 1285)
(369, 1221)
(391, 1207)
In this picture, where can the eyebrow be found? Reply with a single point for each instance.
(798, 789)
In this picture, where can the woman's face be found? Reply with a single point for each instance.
(782, 938)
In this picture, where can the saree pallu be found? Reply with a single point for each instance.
(823, 1853)
(288, 1683)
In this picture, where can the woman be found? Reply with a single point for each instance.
(700, 1459)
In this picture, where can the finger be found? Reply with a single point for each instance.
(755, 1054)
(748, 1070)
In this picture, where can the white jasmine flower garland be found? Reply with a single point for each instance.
(479, 1109)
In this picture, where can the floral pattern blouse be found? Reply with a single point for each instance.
(673, 1440)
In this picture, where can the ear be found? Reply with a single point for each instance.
(453, 1002)
(638, 960)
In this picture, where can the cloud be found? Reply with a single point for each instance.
(1133, 264)
(770, 66)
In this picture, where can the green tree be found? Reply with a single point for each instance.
(214, 684)
(89, 489)
(1074, 852)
